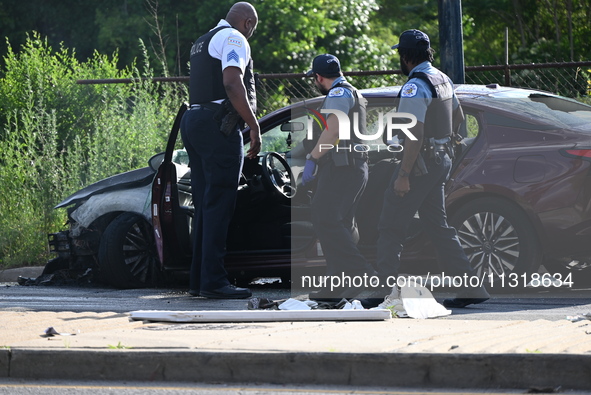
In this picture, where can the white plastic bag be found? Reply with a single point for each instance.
(293, 304)
(420, 303)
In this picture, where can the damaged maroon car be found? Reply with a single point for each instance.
(519, 196)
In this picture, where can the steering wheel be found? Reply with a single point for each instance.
(277, 176)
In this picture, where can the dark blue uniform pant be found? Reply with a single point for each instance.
(333, 215)
(216, 163)
(427, 197)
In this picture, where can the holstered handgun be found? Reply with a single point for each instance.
(433, 146)
(228, 118)
(456, 145)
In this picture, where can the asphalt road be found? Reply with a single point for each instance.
(442, 350)
(536, 304)
(46, 387)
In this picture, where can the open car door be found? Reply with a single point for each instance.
(165, 202)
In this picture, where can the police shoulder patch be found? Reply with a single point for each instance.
(235, 41)
(336, 92)
(409, 90)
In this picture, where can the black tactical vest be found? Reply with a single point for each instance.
(206, 81)
(360, 107)
(438, 120)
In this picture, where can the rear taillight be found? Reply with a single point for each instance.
(579, 153)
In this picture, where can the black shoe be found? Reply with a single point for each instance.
(467, 296)
(194, 292)
(227, 292)
(460, 303)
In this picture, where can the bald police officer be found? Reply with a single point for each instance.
(221, 92)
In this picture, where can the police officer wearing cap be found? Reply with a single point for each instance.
(340, 169)
(221, 91)
(418, 181)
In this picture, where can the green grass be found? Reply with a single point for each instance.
(57, 136)
(119, 346)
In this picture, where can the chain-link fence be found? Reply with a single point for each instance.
(568, 79)
(277, 90)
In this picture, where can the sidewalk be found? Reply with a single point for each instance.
(394, 352)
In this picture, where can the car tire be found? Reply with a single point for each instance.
(498, 238)
(127, 253)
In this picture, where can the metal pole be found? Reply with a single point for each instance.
(507, 69)
(451, 40)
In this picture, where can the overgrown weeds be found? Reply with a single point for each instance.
(57, 136)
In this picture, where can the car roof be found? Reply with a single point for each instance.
(465, 92)
(462, 91)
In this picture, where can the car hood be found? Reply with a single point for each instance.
(130, 179)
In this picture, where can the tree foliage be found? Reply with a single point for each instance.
(539, 30)
(290, 33)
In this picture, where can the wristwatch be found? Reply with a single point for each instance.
(403, 173)
(310, 157)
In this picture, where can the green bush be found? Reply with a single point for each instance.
(57, 136)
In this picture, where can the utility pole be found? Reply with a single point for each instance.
(451, 41)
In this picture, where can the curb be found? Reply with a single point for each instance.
(351, 369)
(4, 363)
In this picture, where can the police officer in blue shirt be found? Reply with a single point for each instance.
(339, 165)
(418, 181)
(222, 91)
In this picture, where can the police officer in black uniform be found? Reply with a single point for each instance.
(418, 181)
(222, 96)
(340, 167)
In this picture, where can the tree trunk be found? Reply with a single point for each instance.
(569, 13)
(519, 16)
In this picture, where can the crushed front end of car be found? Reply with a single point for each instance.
(90, 211)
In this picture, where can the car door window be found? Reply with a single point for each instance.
(377, 121)
(472, 125)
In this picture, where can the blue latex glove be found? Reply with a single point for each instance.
(309, 172)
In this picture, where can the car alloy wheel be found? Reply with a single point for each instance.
(127, 254)
(497, 238)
